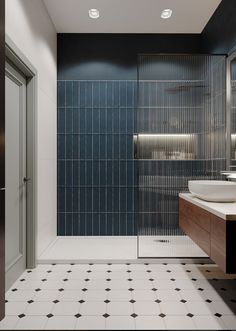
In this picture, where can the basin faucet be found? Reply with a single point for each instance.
(230, 174)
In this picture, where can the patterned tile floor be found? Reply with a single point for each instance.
(122, 296)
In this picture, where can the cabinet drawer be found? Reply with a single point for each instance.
(200, 236)
(198, 215)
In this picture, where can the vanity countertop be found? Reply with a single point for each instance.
(224, 210)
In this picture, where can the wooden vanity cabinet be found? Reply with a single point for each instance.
(215, 236)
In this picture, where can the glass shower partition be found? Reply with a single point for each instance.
(181, 136)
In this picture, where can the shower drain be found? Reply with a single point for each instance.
(163, 241)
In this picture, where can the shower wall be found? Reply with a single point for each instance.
(97, 175)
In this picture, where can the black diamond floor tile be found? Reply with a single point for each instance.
(134, 315)
(106, 315)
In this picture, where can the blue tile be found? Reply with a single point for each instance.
(103, 120)
(123, 94)
(82, 173)
(116, 120)
(88, 94)
(69, 199)
(96, 173)
(123, 146)
(61, 94)
(89, 224)
(75, 89)
(89, 199)
(82, 94)
(69, 224)
(89, 120)
(96, 147)
(61, 146)
(130, 173)
(102, 224)
(109, 202)
(76, 173)
(96, 95)
(116, 146)
(89, 147)
(123, 224)
(109, 120)
(103, 143)
(82, 146)
(82, 199)
(75, 124)
(109, 148)
(129, 145)
(75, 202)
(61, 173)
(130, 225)
(61, 199)
(116, 173)
(61, 122)
(103, 94)
(109, 173)
(123, 199)
(61, 226)
(130, 120)
(76, 146)
(69, 94)
(69, 146)
(123, 173)
(116, 224)
(76, 224)
(69, 120)
(130, 198)
(96, 225)
(102, 199)
(82, 224)
(82, 120)
(109, 224)
(122, 112)
(68, 171)
(89, 173)
(102, 173)
(116, 199)
(96, 199)
(96, 122)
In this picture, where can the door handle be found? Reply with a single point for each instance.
(26, 180)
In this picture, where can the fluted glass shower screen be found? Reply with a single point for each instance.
(181, 136)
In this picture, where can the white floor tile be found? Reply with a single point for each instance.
(66, 308)
(168, 295)
(173, 308)
(31, 323)
(70, 295)
(61, 323)
(143, 295)
(52, 284)
(46, 295)
(91, 323)
(96, 284)
(146, 308)
(95, 295)
(93, 308)
(120, 323)
(222, 308)
(74, 284)
(141, 284)
(120, 308)
(8, 323)
(15, 308)
(39, 308)
(229, 321)
(200, 308)
(149, 323)
(28, 285)
(119, 284)
(208, 323)
(20, 295)
(192, 295)
(119, 295)
(179, 323)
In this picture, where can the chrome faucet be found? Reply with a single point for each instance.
(230, 174)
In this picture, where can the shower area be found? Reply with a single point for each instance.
(127, 148)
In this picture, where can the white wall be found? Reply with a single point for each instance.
(31, 29)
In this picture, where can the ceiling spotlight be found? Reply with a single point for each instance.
(93, 13)
(166, 13)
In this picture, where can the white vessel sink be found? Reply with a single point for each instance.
(213, 190)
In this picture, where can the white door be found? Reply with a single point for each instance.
(15, 175)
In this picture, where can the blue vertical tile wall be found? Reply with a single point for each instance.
(97, 175)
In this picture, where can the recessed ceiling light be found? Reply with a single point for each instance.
(93, 13)
(166, 13)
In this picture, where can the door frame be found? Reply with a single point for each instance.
(15, 57)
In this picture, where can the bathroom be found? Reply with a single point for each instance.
(125, 142)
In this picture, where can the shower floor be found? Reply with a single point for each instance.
(82, 249)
